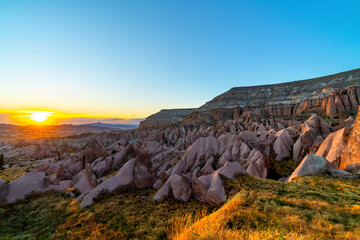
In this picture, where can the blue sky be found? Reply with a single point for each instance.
(132, 58)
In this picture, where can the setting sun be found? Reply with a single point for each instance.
(40, 116)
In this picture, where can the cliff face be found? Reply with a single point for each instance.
(339, 103)
(335, 95)
(166, 117)
(350, 158)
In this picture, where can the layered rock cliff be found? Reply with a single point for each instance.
(335, 96)
(165, 117)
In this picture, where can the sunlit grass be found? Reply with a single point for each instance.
(311, 208)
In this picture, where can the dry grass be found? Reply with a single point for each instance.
(312, 208)
(10, 174)
(122, 215)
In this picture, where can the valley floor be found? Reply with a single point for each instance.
(309, 208)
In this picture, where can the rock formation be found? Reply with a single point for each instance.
(315, 165)
(335, 95)
(350, 158)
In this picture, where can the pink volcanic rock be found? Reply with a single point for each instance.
(320, 126)
(346, 123)
(75, 164)
(152, 147)
(235, 150)
(199, 188)
(311, 165)
(350, 158)
(180, 186)
(207, 169)
(225, 157)
(231, 169)
(315, 165)
(123, 179)
(340, 109)
(215, 192)
(331, 106)
(226, 140)
(283, 144)
(93, 151)
(244, 151)
(202, 149)
(143, 171)
(85, 180)
(4, 190)
(257, 160)
(333, 146)
(26, 184)
(102, 166)
(61, 174)
(306, 140)
(119, 158)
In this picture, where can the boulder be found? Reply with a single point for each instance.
(283, 144)
(257, 164)
(215, 192)
(93, 151)
(315, 165)
(349, 122)
(208, 168)
(333, 146)
(123, 179)
(31, 182)
(85, 180)
(62, 174)
(350, 157)
(231, 169)
(102, 166)
(181, 187)
(178, 186)
(199, 152)
(119, 158)
(143, 171)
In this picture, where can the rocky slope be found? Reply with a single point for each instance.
(334, 96)
(185, 161)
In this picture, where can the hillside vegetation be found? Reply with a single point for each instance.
(310, 208)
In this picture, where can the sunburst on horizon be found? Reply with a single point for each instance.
(40, 116)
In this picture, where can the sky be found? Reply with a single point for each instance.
(124, 60)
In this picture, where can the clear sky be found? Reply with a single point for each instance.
(129, 59)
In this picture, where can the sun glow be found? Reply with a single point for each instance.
(40, 116)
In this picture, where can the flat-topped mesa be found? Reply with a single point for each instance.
(335, 95)
(166, 117)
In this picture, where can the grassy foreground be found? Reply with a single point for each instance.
(310, 208)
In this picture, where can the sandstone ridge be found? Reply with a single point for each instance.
(335, 96)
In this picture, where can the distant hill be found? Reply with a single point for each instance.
(116, 126)
(10, 131)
